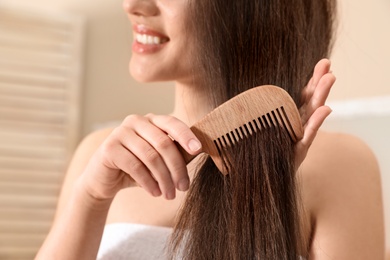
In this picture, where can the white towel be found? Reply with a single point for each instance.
(133, 241)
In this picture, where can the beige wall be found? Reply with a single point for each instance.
(109, 92)
(361, 59)
(362, 53)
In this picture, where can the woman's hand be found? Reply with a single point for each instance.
(313, 111)
(141, 152)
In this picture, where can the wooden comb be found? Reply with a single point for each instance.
(243, 115)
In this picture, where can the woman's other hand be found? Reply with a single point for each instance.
(141, 152)
(313, 110)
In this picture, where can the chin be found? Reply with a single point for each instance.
(142, 79)
(150, 76)
(142, 75)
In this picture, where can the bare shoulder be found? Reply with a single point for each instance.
(340, 159)
(339, 152)
(92, 141)
(82, 155)
(342, 191)
(86, 149)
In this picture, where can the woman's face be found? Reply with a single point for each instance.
(161, 44)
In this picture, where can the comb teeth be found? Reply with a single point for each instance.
(257, 109)
(274, 118)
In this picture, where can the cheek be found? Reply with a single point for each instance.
(179, 62)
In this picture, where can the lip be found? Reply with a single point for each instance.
(148, 48)
(143, 29)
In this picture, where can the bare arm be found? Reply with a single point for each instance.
(342, 183)
(345, 201)
(77, 218)
(138, 152)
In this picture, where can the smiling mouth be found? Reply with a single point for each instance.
(149, 39)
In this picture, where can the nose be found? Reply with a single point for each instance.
(140, 7)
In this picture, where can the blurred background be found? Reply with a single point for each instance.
(64, 73)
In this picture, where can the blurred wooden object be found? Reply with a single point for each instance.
(40, 80)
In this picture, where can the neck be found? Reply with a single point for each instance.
(191, 103)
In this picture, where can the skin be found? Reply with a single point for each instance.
(134, 171)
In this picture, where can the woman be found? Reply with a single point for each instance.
(214, 50)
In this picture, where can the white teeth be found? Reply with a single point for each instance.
(156, 40)
(147, 39)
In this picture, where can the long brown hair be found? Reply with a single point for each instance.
(253, 212)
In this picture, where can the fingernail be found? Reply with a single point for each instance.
(194, 145)
(183, 185)
(170, 195)
(156, 193)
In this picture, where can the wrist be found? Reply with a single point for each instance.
(90, 199)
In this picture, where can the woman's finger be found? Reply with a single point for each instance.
(179, 131)
(149, 144)
(310, 131)
(319, 96)
(167, 150)
(321, 68)
(129, 164)
(182, 134)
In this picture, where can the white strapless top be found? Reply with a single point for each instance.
(133, 241)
